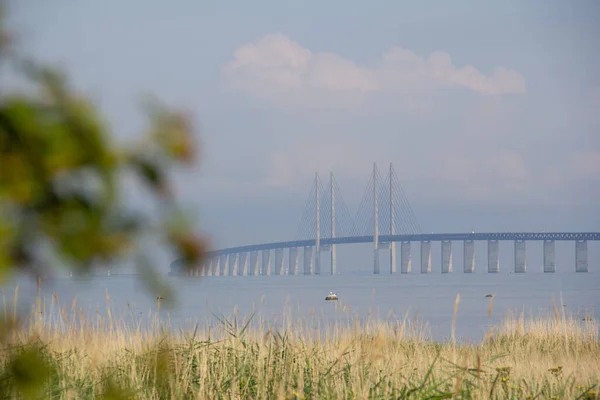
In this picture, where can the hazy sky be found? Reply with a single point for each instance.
(490, 111)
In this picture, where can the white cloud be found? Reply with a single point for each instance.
(280, 70)
(451, 134)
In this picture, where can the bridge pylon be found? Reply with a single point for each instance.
(326, 216)
(317, 226)
(384, 211)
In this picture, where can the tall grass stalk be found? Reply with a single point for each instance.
(544, 356)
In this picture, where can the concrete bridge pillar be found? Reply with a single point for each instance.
(405, 259)
(392, 257)
(493, 256)
(254, 264)
(266, 262)
(333, 259)
(446, 256)
(549, 256)
(279, 266)
(376, 260)
(317, 263)
(581, 256)
(236, 265)
(425, 257)
(203, 268)
(243, 271)
(225, 265)
(308, 260)
(293, 265)
(520, 257)
(217, 266)
(209, 266)
(469, 256)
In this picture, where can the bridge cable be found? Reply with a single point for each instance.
(400, 209)
(407, 209)
(363, 209)
(305, 223)
(344, 221)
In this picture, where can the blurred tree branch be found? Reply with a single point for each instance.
(60, 171)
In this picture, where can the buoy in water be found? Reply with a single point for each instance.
(331, 296)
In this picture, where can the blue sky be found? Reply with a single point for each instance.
(488, 110)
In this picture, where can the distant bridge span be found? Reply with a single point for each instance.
(421, 237)
(384, 218)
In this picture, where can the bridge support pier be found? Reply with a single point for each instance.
(520, 257)
(209, 266)
(293, 267)
(203, 268)
(217, 266)
(493, 257)
(254, 264)
(405, 259)
(469, 256)
(333, 260)
(317, 263)
(376, 261)
(549, 256)
(392, 257)
(446, 256)
(308, 251)
(235, 269)
(243, 266)
(581, 256)
(279, 266)
(425, 257)
(266, 262)
(225, 265)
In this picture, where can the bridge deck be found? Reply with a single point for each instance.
(434, 237)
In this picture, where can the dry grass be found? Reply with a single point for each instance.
(553, 357)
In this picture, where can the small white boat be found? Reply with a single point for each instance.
(331, 296)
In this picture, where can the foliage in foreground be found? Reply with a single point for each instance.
(63, 178)
(541, 358)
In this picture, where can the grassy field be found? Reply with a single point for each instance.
(61, 355)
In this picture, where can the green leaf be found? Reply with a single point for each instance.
(29, 371)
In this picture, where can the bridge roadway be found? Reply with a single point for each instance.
(426, 237)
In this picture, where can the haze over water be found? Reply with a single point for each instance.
(429, 298)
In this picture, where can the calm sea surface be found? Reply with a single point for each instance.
(429, 298)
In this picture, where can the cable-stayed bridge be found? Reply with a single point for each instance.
(384, 218)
